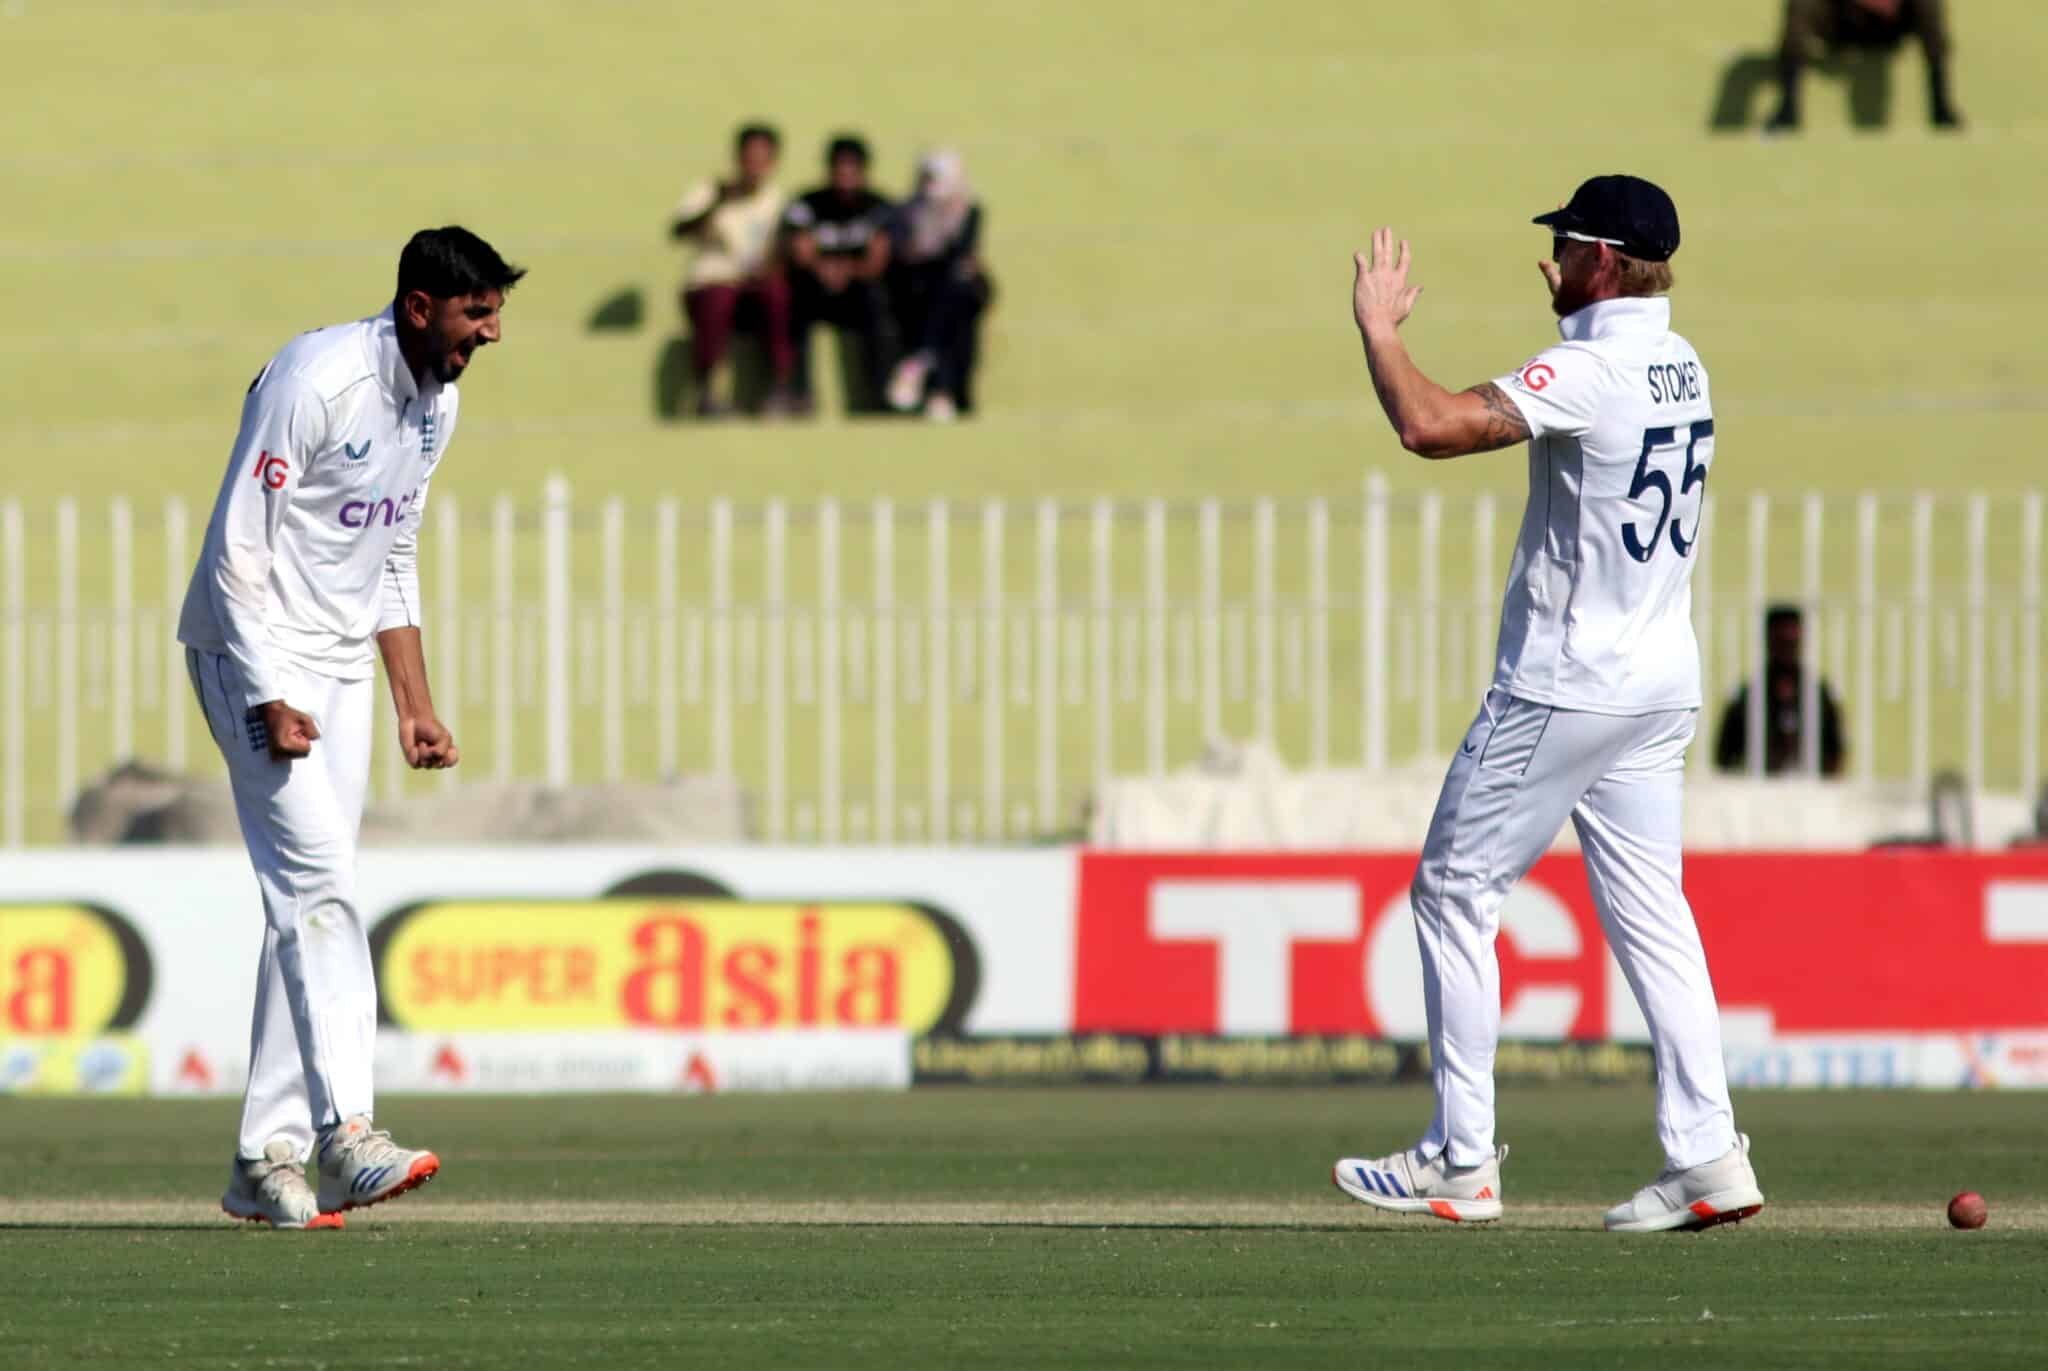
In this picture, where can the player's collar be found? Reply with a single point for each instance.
(1605, 318)
(388, 362)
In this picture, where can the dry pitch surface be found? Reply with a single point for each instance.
(1175, 1226)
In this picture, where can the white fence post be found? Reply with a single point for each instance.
(176, 572)
(775, 692)
(828, 667)
(885, 670)
(721, 638)
(1753, 631)
(1372, 651)
(992, 671)
(121, 525)
(1155, 637)
(938, 687)
(1102, 609)
(1265, 723)
(556, 630)
(1210, 533)
(13, 724)
(667, 518)
(1048, 664)
(1923, 595)
(67, 654)
(1810, 644)
(2030, 646)
(1973, 767)
(613, 696)
(1866, 635)
(1319, 633)
(504, 672)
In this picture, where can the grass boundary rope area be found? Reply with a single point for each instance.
(1103, 1226)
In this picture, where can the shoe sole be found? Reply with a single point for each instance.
(424, 1168)
(317, 1221)
(1451, 1211)
(1726, 1206)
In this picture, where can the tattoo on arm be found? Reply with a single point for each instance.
(1504, 422)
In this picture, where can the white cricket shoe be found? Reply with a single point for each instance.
(1723, 1190)
(274, 1191)
(360, 1165)
(1406, 1183)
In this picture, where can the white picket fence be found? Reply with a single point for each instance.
(967, 671)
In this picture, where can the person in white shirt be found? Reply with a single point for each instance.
(1595, 697)
(311, 557)
(733, 223)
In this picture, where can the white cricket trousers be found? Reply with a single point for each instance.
(1523, 768)
(315, 1024)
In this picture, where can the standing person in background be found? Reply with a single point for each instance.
(733, 224)
(1812, 27)
(837, 242)
(939, 290)
(1784, 711)
(310, 569)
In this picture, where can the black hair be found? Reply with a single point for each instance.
(1783, 614)
(450, 262)
(847, 145)
(749, 132)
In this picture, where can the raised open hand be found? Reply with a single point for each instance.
(1380, 294)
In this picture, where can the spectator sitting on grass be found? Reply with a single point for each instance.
(939, 290)
(1813, 27)
(837, 244)
(733, 223)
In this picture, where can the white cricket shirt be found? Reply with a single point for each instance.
(1598, 610)
(312, 548)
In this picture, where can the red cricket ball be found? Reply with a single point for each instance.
(1968, 1210)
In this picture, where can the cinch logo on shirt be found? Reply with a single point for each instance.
(364, 513)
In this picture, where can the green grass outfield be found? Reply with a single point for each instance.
(1149, 1227)
(1173, 192)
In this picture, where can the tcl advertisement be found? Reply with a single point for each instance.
(1885, 968)
(1880, 942)
(590, 969)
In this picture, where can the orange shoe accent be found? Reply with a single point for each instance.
(424, 1169)
(1485, 1193)
(1443, 1210)
(1709, 1216)
(317, 1221)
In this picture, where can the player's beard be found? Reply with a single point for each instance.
(450, 362)
(1569, 297)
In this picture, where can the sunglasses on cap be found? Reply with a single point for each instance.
(1559, 237)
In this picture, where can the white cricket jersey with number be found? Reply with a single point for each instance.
(1598, 610)
(313, 546)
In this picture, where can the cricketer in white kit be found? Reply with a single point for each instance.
(1595, 695)
(311, 555)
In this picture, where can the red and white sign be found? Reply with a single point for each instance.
(1909, 967)
(1831, 944)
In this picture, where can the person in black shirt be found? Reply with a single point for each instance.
(837, 243)
(1784, 723)
(939, 290)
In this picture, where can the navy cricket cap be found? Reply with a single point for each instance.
(1626, 211)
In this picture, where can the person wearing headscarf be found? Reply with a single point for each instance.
(940, 290)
